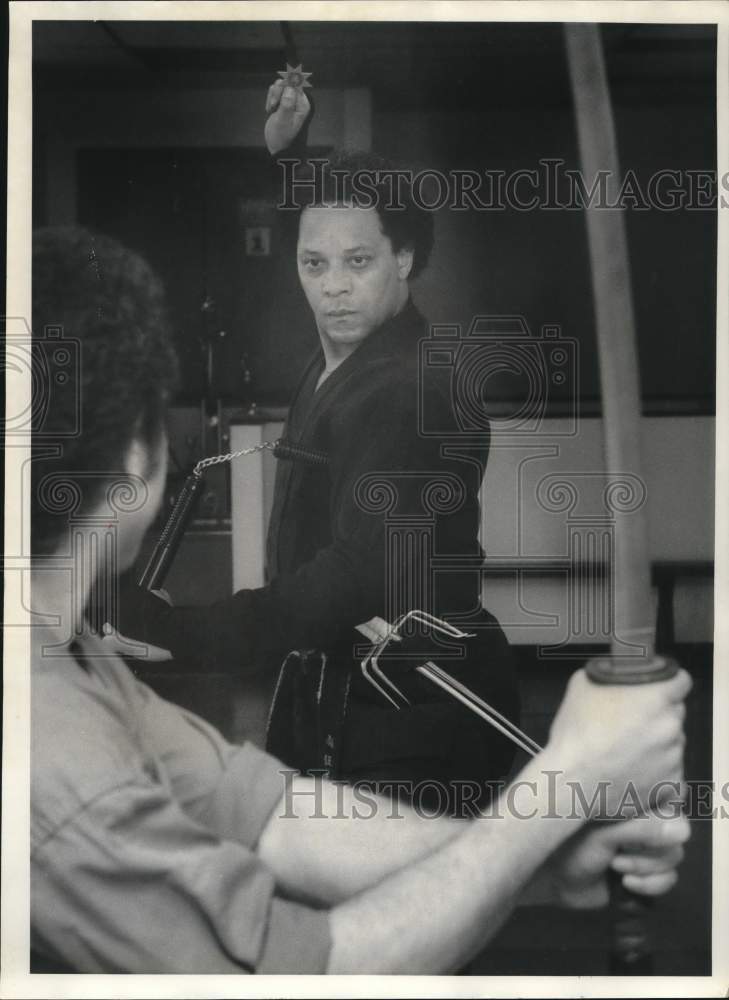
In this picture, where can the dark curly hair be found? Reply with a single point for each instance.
(107, 305)
(368, 180)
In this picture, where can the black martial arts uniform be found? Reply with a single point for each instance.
(328, 563)
(338, 546)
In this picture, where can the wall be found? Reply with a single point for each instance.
(536, 263)
(526, 583)
(69, 120)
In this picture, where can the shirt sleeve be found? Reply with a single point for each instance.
(132, 884)
(231, 789)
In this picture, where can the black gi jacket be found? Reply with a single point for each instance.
(333, 544)
(339, 531)
(329, 524)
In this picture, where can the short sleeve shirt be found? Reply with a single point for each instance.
(144, 823)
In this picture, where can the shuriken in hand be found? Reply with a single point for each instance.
(294, 76)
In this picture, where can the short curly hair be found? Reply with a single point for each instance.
(369, 180)
(108, 306)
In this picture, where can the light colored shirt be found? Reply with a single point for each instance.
(144, 822)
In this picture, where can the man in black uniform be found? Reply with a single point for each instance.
(352, 540)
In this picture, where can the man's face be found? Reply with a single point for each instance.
(351, 277)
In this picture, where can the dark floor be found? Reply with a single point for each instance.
(537, 940)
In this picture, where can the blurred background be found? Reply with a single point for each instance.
(152, 132)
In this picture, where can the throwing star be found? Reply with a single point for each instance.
(294, 76)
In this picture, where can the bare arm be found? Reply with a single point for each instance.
(414, 894)
(433, 914)
(327, 842)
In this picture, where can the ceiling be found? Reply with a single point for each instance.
(448, 64)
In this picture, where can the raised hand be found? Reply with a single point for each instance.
(287, 109)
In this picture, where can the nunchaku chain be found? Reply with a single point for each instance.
(206, 463)
(280, 447)
(187, 500)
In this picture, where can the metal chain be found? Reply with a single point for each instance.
(205, 463)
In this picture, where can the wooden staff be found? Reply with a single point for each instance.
(632, 659)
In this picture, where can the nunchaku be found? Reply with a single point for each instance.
(189, 496)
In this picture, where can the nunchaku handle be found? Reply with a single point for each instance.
(293, 452)
(169, 541)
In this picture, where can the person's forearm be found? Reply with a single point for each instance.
(224, 636)
(325, 843)
(312, 608)
(433, 916)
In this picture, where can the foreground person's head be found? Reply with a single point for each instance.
(104, 370)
